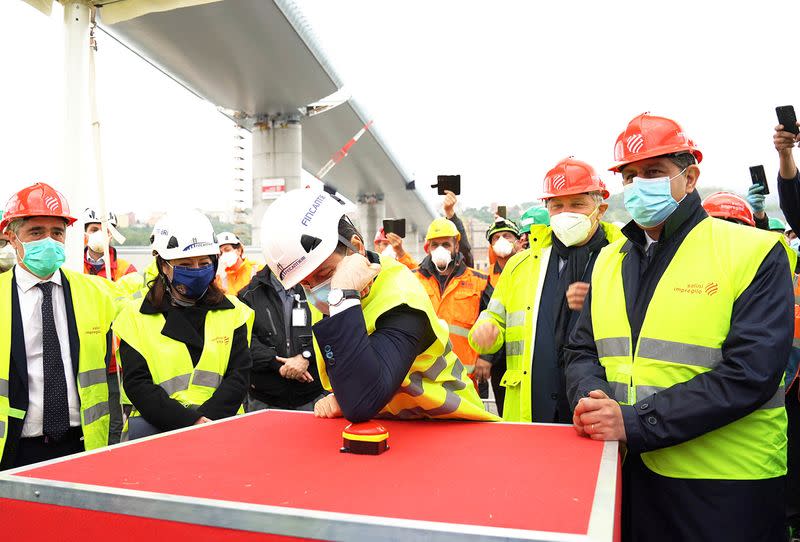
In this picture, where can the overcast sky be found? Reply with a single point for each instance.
(498, 91)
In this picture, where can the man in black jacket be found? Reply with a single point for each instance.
(284, 372)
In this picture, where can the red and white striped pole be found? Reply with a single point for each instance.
(341, 153)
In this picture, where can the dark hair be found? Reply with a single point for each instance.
(682, 159)
(159, 296)
(347, 230)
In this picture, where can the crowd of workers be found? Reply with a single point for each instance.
(677, 334)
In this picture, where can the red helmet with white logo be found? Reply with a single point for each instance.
(39, 199)
(380, 236)
(571, 176)
(647, 137)
(728, 206)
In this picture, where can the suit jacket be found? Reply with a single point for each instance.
(18, 370)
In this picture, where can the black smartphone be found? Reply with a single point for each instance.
(758, 176)
(448, 182)
(787, 118)
(396, 226)
(501, 211)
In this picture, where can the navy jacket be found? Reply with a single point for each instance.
(789, 196)
(366, 370)
(755, 352)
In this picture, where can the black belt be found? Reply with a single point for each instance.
(73, 435)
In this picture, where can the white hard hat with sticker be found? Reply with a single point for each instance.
(184, 234)
(300, 231)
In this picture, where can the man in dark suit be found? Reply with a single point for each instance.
(54, 339)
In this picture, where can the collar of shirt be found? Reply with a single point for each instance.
(27, 280)
(649, 240)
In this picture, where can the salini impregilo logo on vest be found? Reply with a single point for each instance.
(698, 288)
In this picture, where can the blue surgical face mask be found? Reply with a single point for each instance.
(192, 282)
(795, 244)
(43, 257)
(650, 201)
(318, 296)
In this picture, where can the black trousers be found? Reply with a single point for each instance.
(497, 371)
(660, 509)
(35, 449)
(793, 434)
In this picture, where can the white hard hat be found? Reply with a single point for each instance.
(228, 238)
(300, 230)
(90, 216)
(183, 235)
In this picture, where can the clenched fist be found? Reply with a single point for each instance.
(484, 334)
(576, 295)
(327, 407)
(354, 272)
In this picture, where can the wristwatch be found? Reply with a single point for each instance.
(337, 296)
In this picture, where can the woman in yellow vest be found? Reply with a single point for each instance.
(185, 347)
(380, 346)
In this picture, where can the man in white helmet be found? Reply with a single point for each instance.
(234, 271)
(96, 242)
(96, 251)
(379, 344)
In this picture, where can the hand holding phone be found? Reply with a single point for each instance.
(396, 226)
(758, 176)
(448, 182)
(787, 118)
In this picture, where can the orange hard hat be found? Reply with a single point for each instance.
(39, 199)
(727, 205)
(571, 176)
(647, 137)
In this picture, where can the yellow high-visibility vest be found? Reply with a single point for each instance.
(169, 361)
(514, 309)
(685, 325)
(437, 385)
(93, 305)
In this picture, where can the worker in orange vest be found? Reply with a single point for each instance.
(96, 241)
(234, 271)
(391, 245)
(458, 293)
(94, 263)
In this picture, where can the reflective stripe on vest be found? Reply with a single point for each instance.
(93, 305)
(169, 361)
(685, 325)
(437, 385)
(460, 331)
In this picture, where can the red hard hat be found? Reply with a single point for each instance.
(647, 137)
(571, 177)
(380, 235)
(727, 205)
(39, 199)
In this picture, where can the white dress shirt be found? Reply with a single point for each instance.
(30, 306)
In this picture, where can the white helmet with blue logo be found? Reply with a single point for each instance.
(184, 234)
(300, 230)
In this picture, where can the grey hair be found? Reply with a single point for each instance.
(596, 195)
(15, 225)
